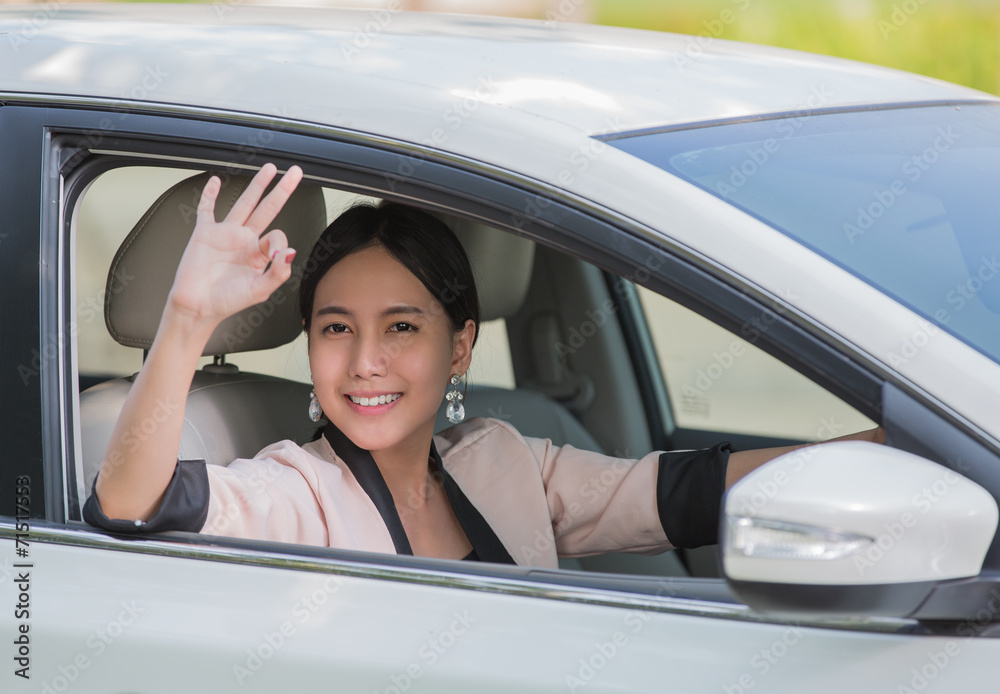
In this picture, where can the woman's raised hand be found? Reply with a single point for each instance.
(228, 266)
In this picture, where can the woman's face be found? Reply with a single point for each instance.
(381, 351)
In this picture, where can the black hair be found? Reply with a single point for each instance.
(423, 244)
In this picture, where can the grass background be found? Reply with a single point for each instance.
(953, 40)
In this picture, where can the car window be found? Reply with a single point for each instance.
(902, 198)
(113, 204)
(719, 381)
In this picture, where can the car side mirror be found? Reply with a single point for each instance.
(852, 528)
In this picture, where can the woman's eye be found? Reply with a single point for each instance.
(335, 328)
(402, 327)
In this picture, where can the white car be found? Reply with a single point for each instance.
(678, 242)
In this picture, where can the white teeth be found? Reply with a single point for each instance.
(375, 400)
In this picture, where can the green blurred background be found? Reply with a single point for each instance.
(952, 40)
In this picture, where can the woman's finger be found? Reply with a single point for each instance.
(277, 274)
(206, 205)
(270, 206)
(246, 203)
(272, 243)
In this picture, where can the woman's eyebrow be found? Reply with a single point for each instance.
(337, 310)
(404, 309)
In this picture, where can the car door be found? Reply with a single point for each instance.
(153, 614)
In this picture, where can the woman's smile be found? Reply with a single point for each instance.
(372, 404)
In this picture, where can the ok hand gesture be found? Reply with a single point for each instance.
(228, 266)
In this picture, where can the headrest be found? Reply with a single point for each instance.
(147, 260)
(501, 264)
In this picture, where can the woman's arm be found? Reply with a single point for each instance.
(226, 267)
(744, 462)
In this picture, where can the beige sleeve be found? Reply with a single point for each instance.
(270, 497)
(599, 503)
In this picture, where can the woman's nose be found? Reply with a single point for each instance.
(370, 358)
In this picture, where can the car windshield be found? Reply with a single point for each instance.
(908, 199)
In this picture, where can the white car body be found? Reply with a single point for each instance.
(524, 103)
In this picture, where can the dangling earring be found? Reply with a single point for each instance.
(315, 410)
(455, 411)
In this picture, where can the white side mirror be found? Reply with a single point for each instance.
(852, 528)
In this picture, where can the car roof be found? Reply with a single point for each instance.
(407, 75)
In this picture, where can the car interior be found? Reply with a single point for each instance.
(557, 356)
